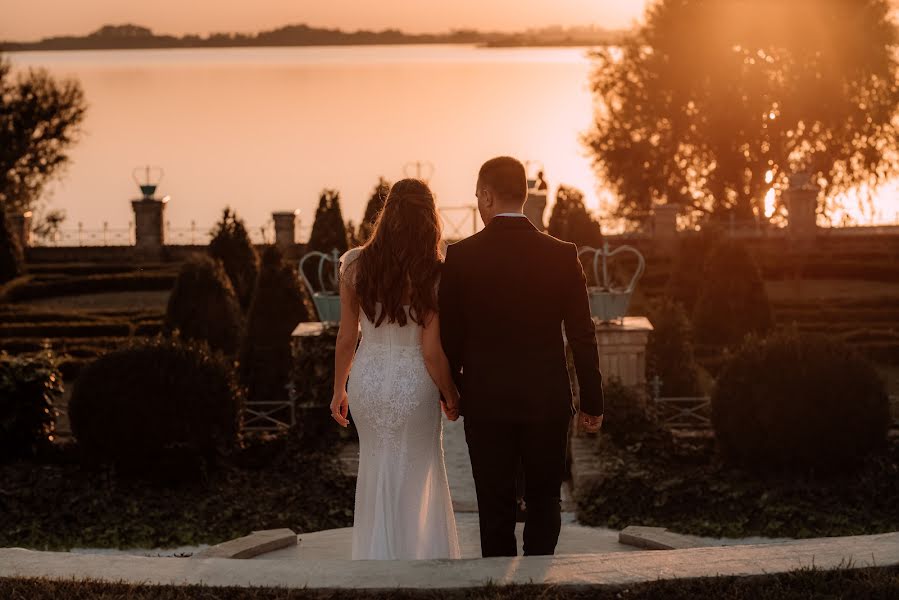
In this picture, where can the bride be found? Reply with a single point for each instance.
(397, 382)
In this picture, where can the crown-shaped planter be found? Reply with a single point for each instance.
(327, 301)
(606, 302)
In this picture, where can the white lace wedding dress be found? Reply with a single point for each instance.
(403, 508)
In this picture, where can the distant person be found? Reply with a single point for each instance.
(541, 182)
(505, 294)
(394, 382)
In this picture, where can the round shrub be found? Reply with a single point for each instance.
(669, 353)
(231, 245)
(157, 398)
(203, 306)
(792, 401)
(628, 416)
(732, 298)
(27, 416)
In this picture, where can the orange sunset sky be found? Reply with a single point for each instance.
(33, 19)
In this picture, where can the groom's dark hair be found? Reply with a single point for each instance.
(506, 177)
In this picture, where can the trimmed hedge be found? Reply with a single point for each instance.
(795, 402)
(158, 398)
(29, 289)
(27, 417)
(203, 305)
(64, 329)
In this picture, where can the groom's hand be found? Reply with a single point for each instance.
(590, 423)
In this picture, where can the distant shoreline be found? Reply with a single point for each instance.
(134, 37)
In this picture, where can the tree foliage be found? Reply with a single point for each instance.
(40, 119)
(700, 103)
(329, 233)
(12, 260)
(570, 220)
(279, 304)
(669, 352)
(372, 210)
(232, 246)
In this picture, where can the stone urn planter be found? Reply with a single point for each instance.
(608, 303)
(325, 296)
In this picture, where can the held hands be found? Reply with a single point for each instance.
(590, 423)
(450, 407)
(339, 407)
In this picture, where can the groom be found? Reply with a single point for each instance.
(505, 293)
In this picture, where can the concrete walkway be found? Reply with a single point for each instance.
(569, 570)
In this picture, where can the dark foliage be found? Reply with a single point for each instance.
(687, 274)
(203, 305)
(798, 402)
(707, 96)
(158, 399)
(279, 304)
(570, 220)
(696, 493)
(28, 385)
(372, 210)
(328, 229)
(669, 352)
(630, 416)
(39, 122)
(266, 484)
(808, 583)
(12, 259)
(32, 288)
(231, 245)
(732, 300)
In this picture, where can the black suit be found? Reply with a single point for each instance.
(504, 294)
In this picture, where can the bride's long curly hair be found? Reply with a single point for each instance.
(402, 259)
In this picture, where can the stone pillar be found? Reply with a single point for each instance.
(285, 228)
(21, 228)
(801, 199)
(664, 222)
(149, 223)
(534, 206)
(622, 349)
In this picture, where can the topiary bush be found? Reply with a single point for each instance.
(28, 384)
(279, 304)
(732, 300)
(669, 352)
(687, 273)
(372, 210)
(796, 402)
(160, 399)
(12, 259)
(628, 416)
(232, 246)
(570, 220)
(203, 305)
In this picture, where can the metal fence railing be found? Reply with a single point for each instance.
(81, 236)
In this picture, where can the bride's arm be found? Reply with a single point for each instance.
(438, 365)
(345, 350)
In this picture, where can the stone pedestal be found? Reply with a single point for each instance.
(285, 228)
(664, 222)
(21, 228)
(622, 349)
(534, 207)
(149, 229)
(801, 200)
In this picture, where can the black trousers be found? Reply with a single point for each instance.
(497, 450)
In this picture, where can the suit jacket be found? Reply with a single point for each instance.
(505, 293)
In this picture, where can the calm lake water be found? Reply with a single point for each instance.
(265, 129)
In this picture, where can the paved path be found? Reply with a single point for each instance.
(570, 570)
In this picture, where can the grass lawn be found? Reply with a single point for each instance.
(872, 583)
(55, 504)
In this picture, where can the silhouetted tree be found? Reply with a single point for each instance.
(700, 103)
(231, 244)
(279, 304)
(669, 353)
(732, 300)
(39, 122)
(570, 220)
(203, 305)
(12, 261)
(328, 232)
(372, 210)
